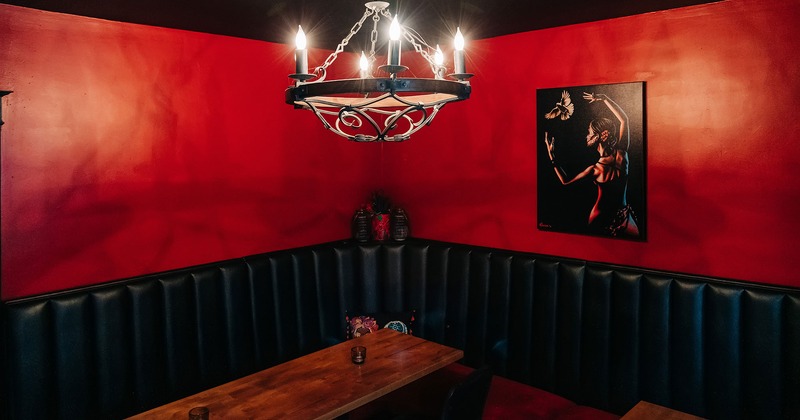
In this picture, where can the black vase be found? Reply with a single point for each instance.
(399, 224)
(360, 226)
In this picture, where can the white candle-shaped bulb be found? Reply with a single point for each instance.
(459, 40)
(300, 54)
(394, 42)
(394, 30)
(458, 54)
(438, 57)
(300, 39)
(363, 66)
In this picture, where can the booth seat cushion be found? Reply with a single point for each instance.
(507, 399)
(514, 400)
(600, 335)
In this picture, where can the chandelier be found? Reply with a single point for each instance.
(379, 105)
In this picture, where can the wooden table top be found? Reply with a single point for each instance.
(649, 411)
(321, 385)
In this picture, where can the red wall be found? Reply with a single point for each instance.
(723, 143)
(130, 149)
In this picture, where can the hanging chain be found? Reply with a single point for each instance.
(373, 37)
(331, 58)
(420, 46)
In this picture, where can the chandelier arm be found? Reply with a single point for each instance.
(320, 72)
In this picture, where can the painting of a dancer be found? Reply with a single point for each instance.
(591, 160)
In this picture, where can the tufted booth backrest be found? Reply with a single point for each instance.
(601, 335)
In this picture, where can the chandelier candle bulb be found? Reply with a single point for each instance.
(458, 54)
(363, 66)
(301, 53)
(438, 60)
(394, 42)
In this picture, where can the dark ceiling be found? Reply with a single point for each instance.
(328, 21)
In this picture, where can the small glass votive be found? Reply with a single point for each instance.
(358, 354)
(198, 413)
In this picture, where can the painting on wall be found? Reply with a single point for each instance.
(591, 160)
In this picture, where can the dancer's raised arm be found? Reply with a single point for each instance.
(622, 117)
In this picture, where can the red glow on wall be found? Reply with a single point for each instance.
(130, 149)
(722, 200)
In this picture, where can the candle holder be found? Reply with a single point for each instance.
(198, 413)
(460, 76)
(301, 77)
(358, 354)
(391, 69)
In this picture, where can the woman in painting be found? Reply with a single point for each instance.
(611, 214)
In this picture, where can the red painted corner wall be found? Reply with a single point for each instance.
(130, 149)
(723, 143)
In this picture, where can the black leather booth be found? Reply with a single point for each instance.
(601, 335)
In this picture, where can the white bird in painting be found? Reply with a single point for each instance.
(564, 108)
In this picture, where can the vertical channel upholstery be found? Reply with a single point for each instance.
(601, 335)
(609, 336)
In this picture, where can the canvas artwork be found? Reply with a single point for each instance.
(591, 160)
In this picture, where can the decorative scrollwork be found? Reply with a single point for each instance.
(350, 121)
(389, 116)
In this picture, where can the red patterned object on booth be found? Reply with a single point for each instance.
(380, 226)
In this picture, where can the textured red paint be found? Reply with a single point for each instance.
(130, 149)
(722, 82)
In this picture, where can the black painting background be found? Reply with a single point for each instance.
(565, 208)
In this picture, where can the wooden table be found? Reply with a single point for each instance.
(649, 411)
(321, 385)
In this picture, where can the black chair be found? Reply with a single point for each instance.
(466, 400)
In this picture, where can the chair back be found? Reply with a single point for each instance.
(466, 400)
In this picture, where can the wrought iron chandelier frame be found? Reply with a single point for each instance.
(345, 106)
